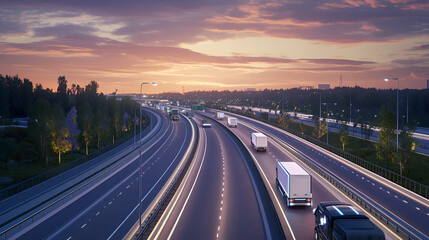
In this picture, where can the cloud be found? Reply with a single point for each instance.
(337, 61)
(422, 47)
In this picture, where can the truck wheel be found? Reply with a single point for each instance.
(316, 235)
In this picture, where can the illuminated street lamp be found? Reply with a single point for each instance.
(397, 114)
(140, 150)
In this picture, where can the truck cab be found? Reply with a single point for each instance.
(342, 221)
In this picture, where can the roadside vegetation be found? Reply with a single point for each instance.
(60, 126)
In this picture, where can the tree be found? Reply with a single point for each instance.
(283, 121)
(344, 136)
(62, 92)
(319, 128)
(60, 134)
(386, 147)
(407, 145)
(4, 98)
(85, 120)
(99, 123)
(301, 128)
(60, 141)
(41, 116)
(8, 149)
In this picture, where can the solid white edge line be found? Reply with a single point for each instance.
(190, 192)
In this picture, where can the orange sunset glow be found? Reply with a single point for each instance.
(221, 45)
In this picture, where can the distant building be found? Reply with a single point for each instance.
(428, 84)
(306, 87)
(324, 86)
(250, 89)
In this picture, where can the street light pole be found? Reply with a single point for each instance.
(397, 115)
(140, 152)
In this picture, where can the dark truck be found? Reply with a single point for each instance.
(174, 114)
(342, 221)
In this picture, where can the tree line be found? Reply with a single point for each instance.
(72, 119)
(365, 103)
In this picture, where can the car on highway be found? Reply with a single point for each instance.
(207, 123)
(342, 221)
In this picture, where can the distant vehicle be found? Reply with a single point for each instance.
(294, 184)
(232, 122)
(206, 123)
(197, 107)
(337, 220)
(259, 142)
(161, 108)
(174, 115)
(219, 115)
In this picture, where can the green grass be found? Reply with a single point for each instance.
(23, 170)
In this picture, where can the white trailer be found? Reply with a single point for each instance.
(220, 115)
(259, 142)
(294, 184)
(232, 122)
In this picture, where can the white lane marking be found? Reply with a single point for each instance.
(404, 201)
(418, 208)
(69, 238)
(128, 186)
(120, 225)
(97, 213)
(190, 192)
(110, 202)
(83, 225)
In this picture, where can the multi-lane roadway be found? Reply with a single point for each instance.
(109, 208)
(401, 203)
(219, 198)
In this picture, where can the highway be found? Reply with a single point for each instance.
(408, 206)
(108, 209)
(421, 134)
(218, 198)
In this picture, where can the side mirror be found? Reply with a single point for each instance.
(314, 211)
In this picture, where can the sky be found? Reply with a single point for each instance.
(188, 45)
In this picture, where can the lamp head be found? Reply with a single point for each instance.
(386, 79)
(155, 84)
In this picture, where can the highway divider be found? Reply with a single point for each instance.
(156, 208)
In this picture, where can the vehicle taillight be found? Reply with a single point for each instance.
(290, 200)
(308, 199)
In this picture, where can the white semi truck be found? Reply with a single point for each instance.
(259, 142)
(232, 122)
(220, 115)
(294, 184)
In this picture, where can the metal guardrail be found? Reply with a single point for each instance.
(402, 229)
(405, 182)
(397, 225)
(46, 210)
